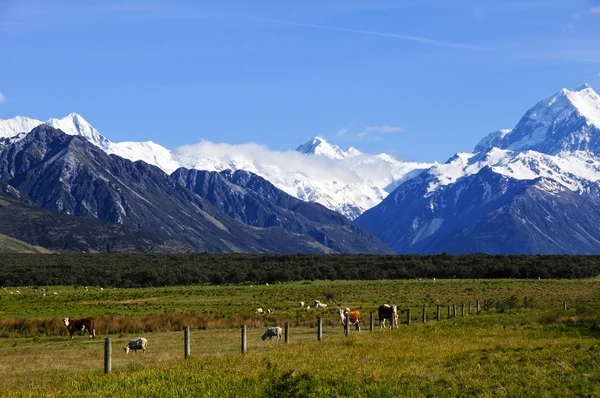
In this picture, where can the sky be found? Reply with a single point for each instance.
(418, 79)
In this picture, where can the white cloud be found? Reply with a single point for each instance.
(594, 10)
(2, 97)
(418, 39)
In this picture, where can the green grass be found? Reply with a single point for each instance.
(523, 344)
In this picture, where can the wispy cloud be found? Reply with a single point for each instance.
(418, 39)
(376, 132)
(594, 10)
(2, 97)
(341, 132)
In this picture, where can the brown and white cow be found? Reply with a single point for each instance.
(352, 316)
(388, 312)
(75, 325)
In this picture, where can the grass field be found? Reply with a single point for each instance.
(523, 344)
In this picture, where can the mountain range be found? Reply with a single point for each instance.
(529, 189)
(69, 174)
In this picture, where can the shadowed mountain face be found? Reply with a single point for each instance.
(251, 199)
(70, 175)
(491, 213)
(60, 232)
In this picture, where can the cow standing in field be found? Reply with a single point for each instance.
(136, 344)
(74, 325)
(353, 318)
(388, 312)
(271, 332)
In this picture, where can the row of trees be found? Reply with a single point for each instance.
(139, 270)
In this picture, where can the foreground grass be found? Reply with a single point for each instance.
(452, 358)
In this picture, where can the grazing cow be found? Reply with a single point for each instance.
(302, 304)
(270, 311)
(319, 304)
(136, 344)
(260, 311)
(352, 316)
(74, 325)
(271, 332)
(390, 312)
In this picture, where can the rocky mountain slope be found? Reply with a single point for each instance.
(251, 199)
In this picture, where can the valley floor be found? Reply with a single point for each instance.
(523, 344)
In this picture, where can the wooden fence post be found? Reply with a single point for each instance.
(107, 355)
(478, 307)
(454, 308)
(320, 329)
(371, 322)
(449, 312)
(469, 308)
(462, 310)
(424, 315)
(408, 317)
(186, 342)
(243, 339)
(347, 325)
(565, 306)
(438, 313)
(287, 332)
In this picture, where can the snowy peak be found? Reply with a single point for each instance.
(74, 124)
(320, 146)
(568, 121)
(17, 125)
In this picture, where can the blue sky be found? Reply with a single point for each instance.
(419, 79)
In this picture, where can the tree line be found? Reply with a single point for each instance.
(146, 270)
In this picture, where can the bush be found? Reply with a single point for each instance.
(549, 318)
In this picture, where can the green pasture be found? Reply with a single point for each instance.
(522, 343)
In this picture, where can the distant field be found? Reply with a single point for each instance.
(524, 343)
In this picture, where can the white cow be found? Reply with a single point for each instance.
(260, 311)
(274, 331)
(302, 304)
(136, 344)
(319, 304)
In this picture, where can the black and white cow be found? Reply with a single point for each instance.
(389, 312)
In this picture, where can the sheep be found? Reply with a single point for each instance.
(136, 344)
(271, 332)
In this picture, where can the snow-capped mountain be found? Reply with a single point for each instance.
(72, 124)
(348, 182)
(319, 146)
(567, 121)
(518, 193)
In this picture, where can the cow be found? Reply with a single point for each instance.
(319, 304)
(274, 331)
(136, 344)
(74, 325)
(260, 311)
(352, 316)
(388, 312)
